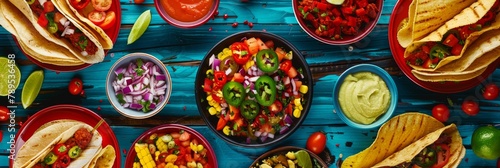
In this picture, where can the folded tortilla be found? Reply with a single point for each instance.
(31, 42)
(25, 9)
(396, 134)
(457, 150)
(82, 19)
(43, 141)
(104, 159)
(425, 16)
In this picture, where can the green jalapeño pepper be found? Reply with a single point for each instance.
(233, 93)
(266, 90)
(50, 158)
(30, 1)
(426, 158)
(267, 60)
(249, 109)
(439, 51)
(229, 63)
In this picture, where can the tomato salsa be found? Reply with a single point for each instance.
(337, 21)
(187, 10)
(431, 53)
(254, 90)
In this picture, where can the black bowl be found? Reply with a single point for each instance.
(285, 149)
(298, 61)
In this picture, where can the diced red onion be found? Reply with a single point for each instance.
(248, 140)
(276, 78)
(228, 71)
(63, 20)
(148, 97)
(294, 88)
(42, 2)
(253, 79)
(152, 106)
(288, 119)
(284, 129)
(286, 80)
(139, 92)
(215, 64)
(286, 94)
(161, 77)
(270, 135)
(242, 72)
(136, 106)
(127, 89)
(263, 138)
(211, 60)
(257, 133)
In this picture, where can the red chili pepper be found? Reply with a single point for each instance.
(220, 78)
(286, 65)
(207, 86)
(240, 52)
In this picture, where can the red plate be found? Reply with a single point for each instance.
(168, 128)
(111, 32)
(72, 112)
(399, 13)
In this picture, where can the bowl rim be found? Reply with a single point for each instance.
(391, 85)
(175, 126)
(154, 60)
(288, 148)
(293, 128)
(185, 25)
(359, 37)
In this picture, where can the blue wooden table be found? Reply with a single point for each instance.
(182, 49)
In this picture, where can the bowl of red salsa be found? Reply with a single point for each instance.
(253, 89)
(345, 23)
(186, 13)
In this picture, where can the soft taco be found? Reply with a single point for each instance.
(425, 16)
(60, 29)
(104, 159)
(405, 136)
(452, 40)
(66, 143)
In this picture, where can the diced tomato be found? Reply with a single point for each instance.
(298, 84)
(286, 65)
(456, 49)
(276, 107)
(270, 43)
(362, 3)
(207, 85)
(266, 128)
(321, 6)
(175, 135)
(347, 10)
(48, 7)
(428, 64)
(337, 21)
(237, 77)
(42, 20)
(253, 47)
(185, 136)
(292, 73)
(426, 49)
(222, 122)
(234, 113)
(443, 156)
(336, 12)
(464, 32)
(351, 21)
(289, 109)
(262, 45)
(281, 53)
(360, 12)
(450, 40)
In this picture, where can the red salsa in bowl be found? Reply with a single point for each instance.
(340, 24)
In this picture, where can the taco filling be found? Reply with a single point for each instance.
(51, 19)
(431, 53)
(434, 155)
(64, 153)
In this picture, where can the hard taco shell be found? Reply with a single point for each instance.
(393, 136)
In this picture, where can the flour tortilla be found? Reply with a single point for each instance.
(425, 16)
(483, 41)
(82, 19)
(393, 136)
(104, 159)
(26, 10)
(409, 152)
(31, 42)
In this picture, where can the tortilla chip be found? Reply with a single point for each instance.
(412, 150)
(393, 136)
(426, 16)
(443, 77)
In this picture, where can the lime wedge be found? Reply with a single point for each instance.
(31, 88)
(303, 159)
(335, 2)
(140, 26)
(9, 72)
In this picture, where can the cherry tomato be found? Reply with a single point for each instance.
(316, 142)
(470, 107)
(79, 4)
(441, 112)
(109, 21)
(276, 107)
(102, 5)
(96, 17)
(138, 1)
(75, 86)
(48, 7)
(4, 113)
(490, 91)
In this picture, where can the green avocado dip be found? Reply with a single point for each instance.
(363, 97)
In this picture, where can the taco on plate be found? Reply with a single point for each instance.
(405, 138)
(65, 143)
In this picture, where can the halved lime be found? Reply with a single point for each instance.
(303, 159)
(335, 2)
(9, 72)
(140, 26)
(31, 88)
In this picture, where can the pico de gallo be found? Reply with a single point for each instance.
(431, 53)
(337, 21)
(174, 149)
(57, 24)
(63, 153)
(433, 156)
(254, 89)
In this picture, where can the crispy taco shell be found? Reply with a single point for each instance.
(24, 7)
(457, 150)
(31, 42)
(393, 136)
(425, 16)
(95, 30)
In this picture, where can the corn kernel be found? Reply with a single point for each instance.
(169, 165)
(212, 111)
(209, 98)
(153, 136)
(290, 155)
(300, 107)
(297, 101)
(303, 89)
(296, 113)
(157, 153)
(226, 130)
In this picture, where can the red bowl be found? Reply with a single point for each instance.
(181, 24)
(399, 13)
(167, 128)
(345, 39)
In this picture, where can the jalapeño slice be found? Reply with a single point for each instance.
(233, 93)
(249, 109)
(267, 60)
(266, 90)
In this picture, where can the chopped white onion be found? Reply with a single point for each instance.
(42, 2)
(63, 21)
(84, 53)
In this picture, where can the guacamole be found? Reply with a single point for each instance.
(363, 97)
